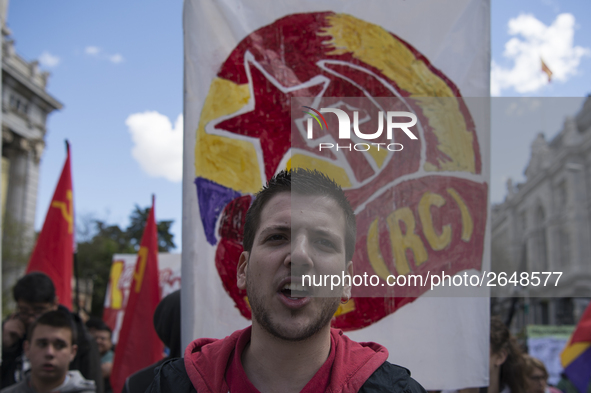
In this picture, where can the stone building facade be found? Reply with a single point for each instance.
(26, 105)
(544, 224)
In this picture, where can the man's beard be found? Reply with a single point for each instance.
(262, 315)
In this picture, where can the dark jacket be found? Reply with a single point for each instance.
(11, 363)
(139, 381)
(358, 367)
(172, 377)
(87, 359)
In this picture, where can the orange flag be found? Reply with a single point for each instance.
(53, 252)
(546, 70)
(139, 345)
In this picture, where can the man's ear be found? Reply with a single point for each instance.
(74, 352)
(500, 357)
(348, 286)
(56, 303)
(241, 270)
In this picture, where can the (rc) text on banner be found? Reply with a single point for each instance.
(248, 62)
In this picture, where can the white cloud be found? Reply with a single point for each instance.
(97, 52)
(92, 50)
(48, 60)
(116, 58)
(532, 40)
(158, 145)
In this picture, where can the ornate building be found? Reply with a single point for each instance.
(544, 224)
(25, 107)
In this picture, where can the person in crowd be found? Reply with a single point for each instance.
(13, 330)
(167, 322)
(50, 347)
(300, 223)
(35, 295)
(103, 336)
(537, 376)
(13, 335)
(506, 368)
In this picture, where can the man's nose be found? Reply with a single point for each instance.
(300, 252)
(50, 351)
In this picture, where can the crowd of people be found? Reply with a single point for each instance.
(290, 346)
(511, 369)
(47, 348)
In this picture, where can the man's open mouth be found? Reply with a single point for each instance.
(294, 290)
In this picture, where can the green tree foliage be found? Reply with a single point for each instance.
(136, 229)
(95, 255)
(99, 241)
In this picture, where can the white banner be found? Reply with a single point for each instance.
(243, 60)
(546, 343)
(120, 280)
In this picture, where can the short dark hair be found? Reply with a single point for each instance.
(57, 319)
(35, 287)
(303, 182)
(98, 324)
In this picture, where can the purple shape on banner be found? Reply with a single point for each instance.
(579, 371)
(212, 199)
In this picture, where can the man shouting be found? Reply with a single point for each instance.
(299, 224)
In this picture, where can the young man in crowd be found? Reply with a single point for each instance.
(102, 334)
(35, 295)
(50, 347)
(301, 223)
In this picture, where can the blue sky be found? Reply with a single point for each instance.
(99, 95)
(110, 60)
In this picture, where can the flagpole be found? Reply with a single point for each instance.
(77, 293)
(157, 237)
(2, 17)
(75, 260)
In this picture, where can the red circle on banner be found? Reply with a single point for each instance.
(427, 224)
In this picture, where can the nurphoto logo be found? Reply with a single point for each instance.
(345, 128)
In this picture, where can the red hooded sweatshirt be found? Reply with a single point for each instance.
(207, 360)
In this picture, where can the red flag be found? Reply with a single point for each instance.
(54, 249)
(546, 70)
(139, 345)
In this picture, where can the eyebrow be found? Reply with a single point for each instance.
(47, 340)
(286, 228)
(324, 232)
(330, 235)
(275, 228)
